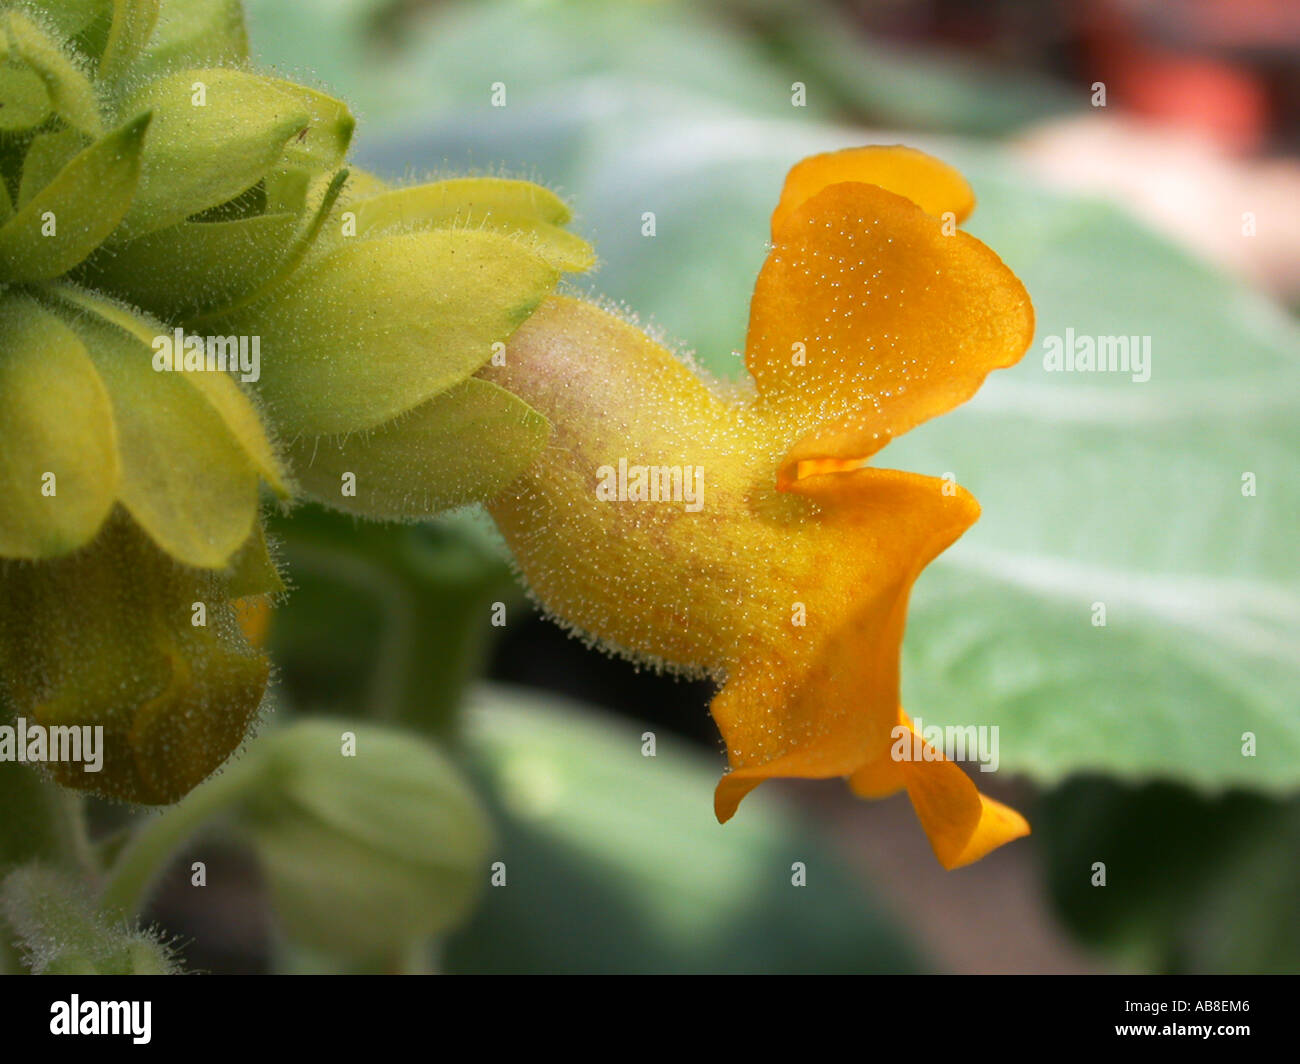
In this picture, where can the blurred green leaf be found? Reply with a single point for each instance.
(559, 53)
(916, 87)
(614, 862)
(1193, 884)
(389, 621)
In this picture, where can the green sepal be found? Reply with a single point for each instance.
(129, 33)
(191, 444)
(56, 420)
(199, 156)
(70, 19)
(462, 446)
(198, 33)
(521, 208)
(26, 103)
(324, 142)
(46, 157)
(252, 571)
(379, 326)
(112, 636)
(184, 269)
(83, 204)
(68, 86)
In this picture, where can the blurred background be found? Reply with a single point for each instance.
(1136, 165)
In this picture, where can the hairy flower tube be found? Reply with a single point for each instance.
(744, 535)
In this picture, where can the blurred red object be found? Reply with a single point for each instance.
(1190, 64)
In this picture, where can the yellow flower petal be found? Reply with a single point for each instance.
(930, 183)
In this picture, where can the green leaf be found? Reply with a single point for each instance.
(55, 420)
(61, 933)
(379, 326)
(67, 85)
(70, 18)
(462, 446)
(132, 25)
(901, 87)
(520, 208)
(72, 215)
(199, 156)
(369, 851)
(665, 53)
(615, 864)
(198, 33)
(223, 395)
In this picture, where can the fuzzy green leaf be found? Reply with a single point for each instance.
(133, 23)
(324, 142)
(185, 478)
(46, 157)
(183, 269)
(61, 933)
(26, 103)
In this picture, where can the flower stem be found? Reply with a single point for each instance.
(143, 859)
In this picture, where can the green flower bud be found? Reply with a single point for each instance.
(121, 637)
(369, 838)
(154, 188)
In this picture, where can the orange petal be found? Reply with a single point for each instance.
(961, 824)
(930, 183)
(824, 703)
(867, 320)
(883, 776)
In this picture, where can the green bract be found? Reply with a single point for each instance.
(188, 274)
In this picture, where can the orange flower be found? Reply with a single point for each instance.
(741, 534)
